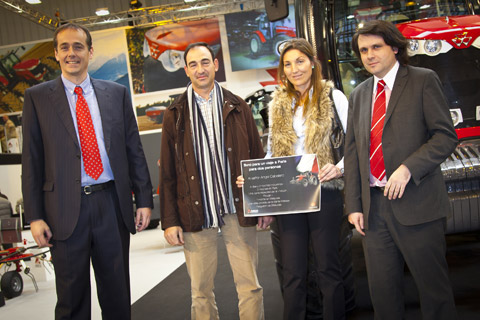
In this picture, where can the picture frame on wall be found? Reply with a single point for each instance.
(157, 53)
(254, 42)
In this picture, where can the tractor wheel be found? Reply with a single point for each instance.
(305, 182)
(255, 45)
(278, 42)
(12, 284)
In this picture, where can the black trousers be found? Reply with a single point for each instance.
(100, 236)
(323, 228)
(388, 245)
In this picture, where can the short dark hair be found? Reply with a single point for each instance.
(75, 27)
(390, 34)
(197, 44)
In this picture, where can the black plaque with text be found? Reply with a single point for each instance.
(282, 185)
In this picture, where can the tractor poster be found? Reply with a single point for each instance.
(255, 42)
(22, 67)
(156, 54)
(282, 185)
(150, 108)
(26, 65)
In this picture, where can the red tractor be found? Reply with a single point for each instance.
(270, 35)
(17, 75)
(156, 113)
(308, 171)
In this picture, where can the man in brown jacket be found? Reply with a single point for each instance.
(206, 132)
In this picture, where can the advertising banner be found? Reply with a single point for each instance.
(156, 54)
(254, 42)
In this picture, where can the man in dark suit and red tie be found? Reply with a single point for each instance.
(399, 132)
(82, 159)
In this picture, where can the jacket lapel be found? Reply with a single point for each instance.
(106, 110)
(60, 104)
(366, 114)
(398, 87)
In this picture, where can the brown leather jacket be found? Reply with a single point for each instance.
(180, 193)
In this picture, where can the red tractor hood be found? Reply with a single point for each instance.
(178, 36)
(459, 31)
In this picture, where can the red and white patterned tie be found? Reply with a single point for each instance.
(377, 165)
(88, 140)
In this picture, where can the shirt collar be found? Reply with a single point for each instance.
(200, 99)
(389, 77)
(86, 85)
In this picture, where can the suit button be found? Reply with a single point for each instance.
(196, 203)
(229, 149)
(77, 181)
(78, 156)
(237, 199)
(186, 153)
(192, 177)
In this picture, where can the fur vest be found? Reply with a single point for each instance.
(318, 129)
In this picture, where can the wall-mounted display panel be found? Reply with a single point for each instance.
(157, 54)
(254, 42)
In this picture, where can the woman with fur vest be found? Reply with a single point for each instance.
(300, 117)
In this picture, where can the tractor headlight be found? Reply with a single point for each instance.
(432, 47)
(428, 47)
(413, 47)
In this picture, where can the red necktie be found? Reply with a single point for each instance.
(88, 140)
(377, 165)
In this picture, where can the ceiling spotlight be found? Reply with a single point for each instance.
(195, 8)
(33, 1)
(102, 12)
(135, 4)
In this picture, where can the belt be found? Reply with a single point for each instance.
(97, 187)
(381, 189)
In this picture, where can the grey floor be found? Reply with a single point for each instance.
(151, 260)
(170, 299)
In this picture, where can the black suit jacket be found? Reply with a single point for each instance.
(51, 159)
(418, 132)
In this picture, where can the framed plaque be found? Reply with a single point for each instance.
(282, 185)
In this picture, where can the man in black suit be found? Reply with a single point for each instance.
(71, 125)
(399, 203)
